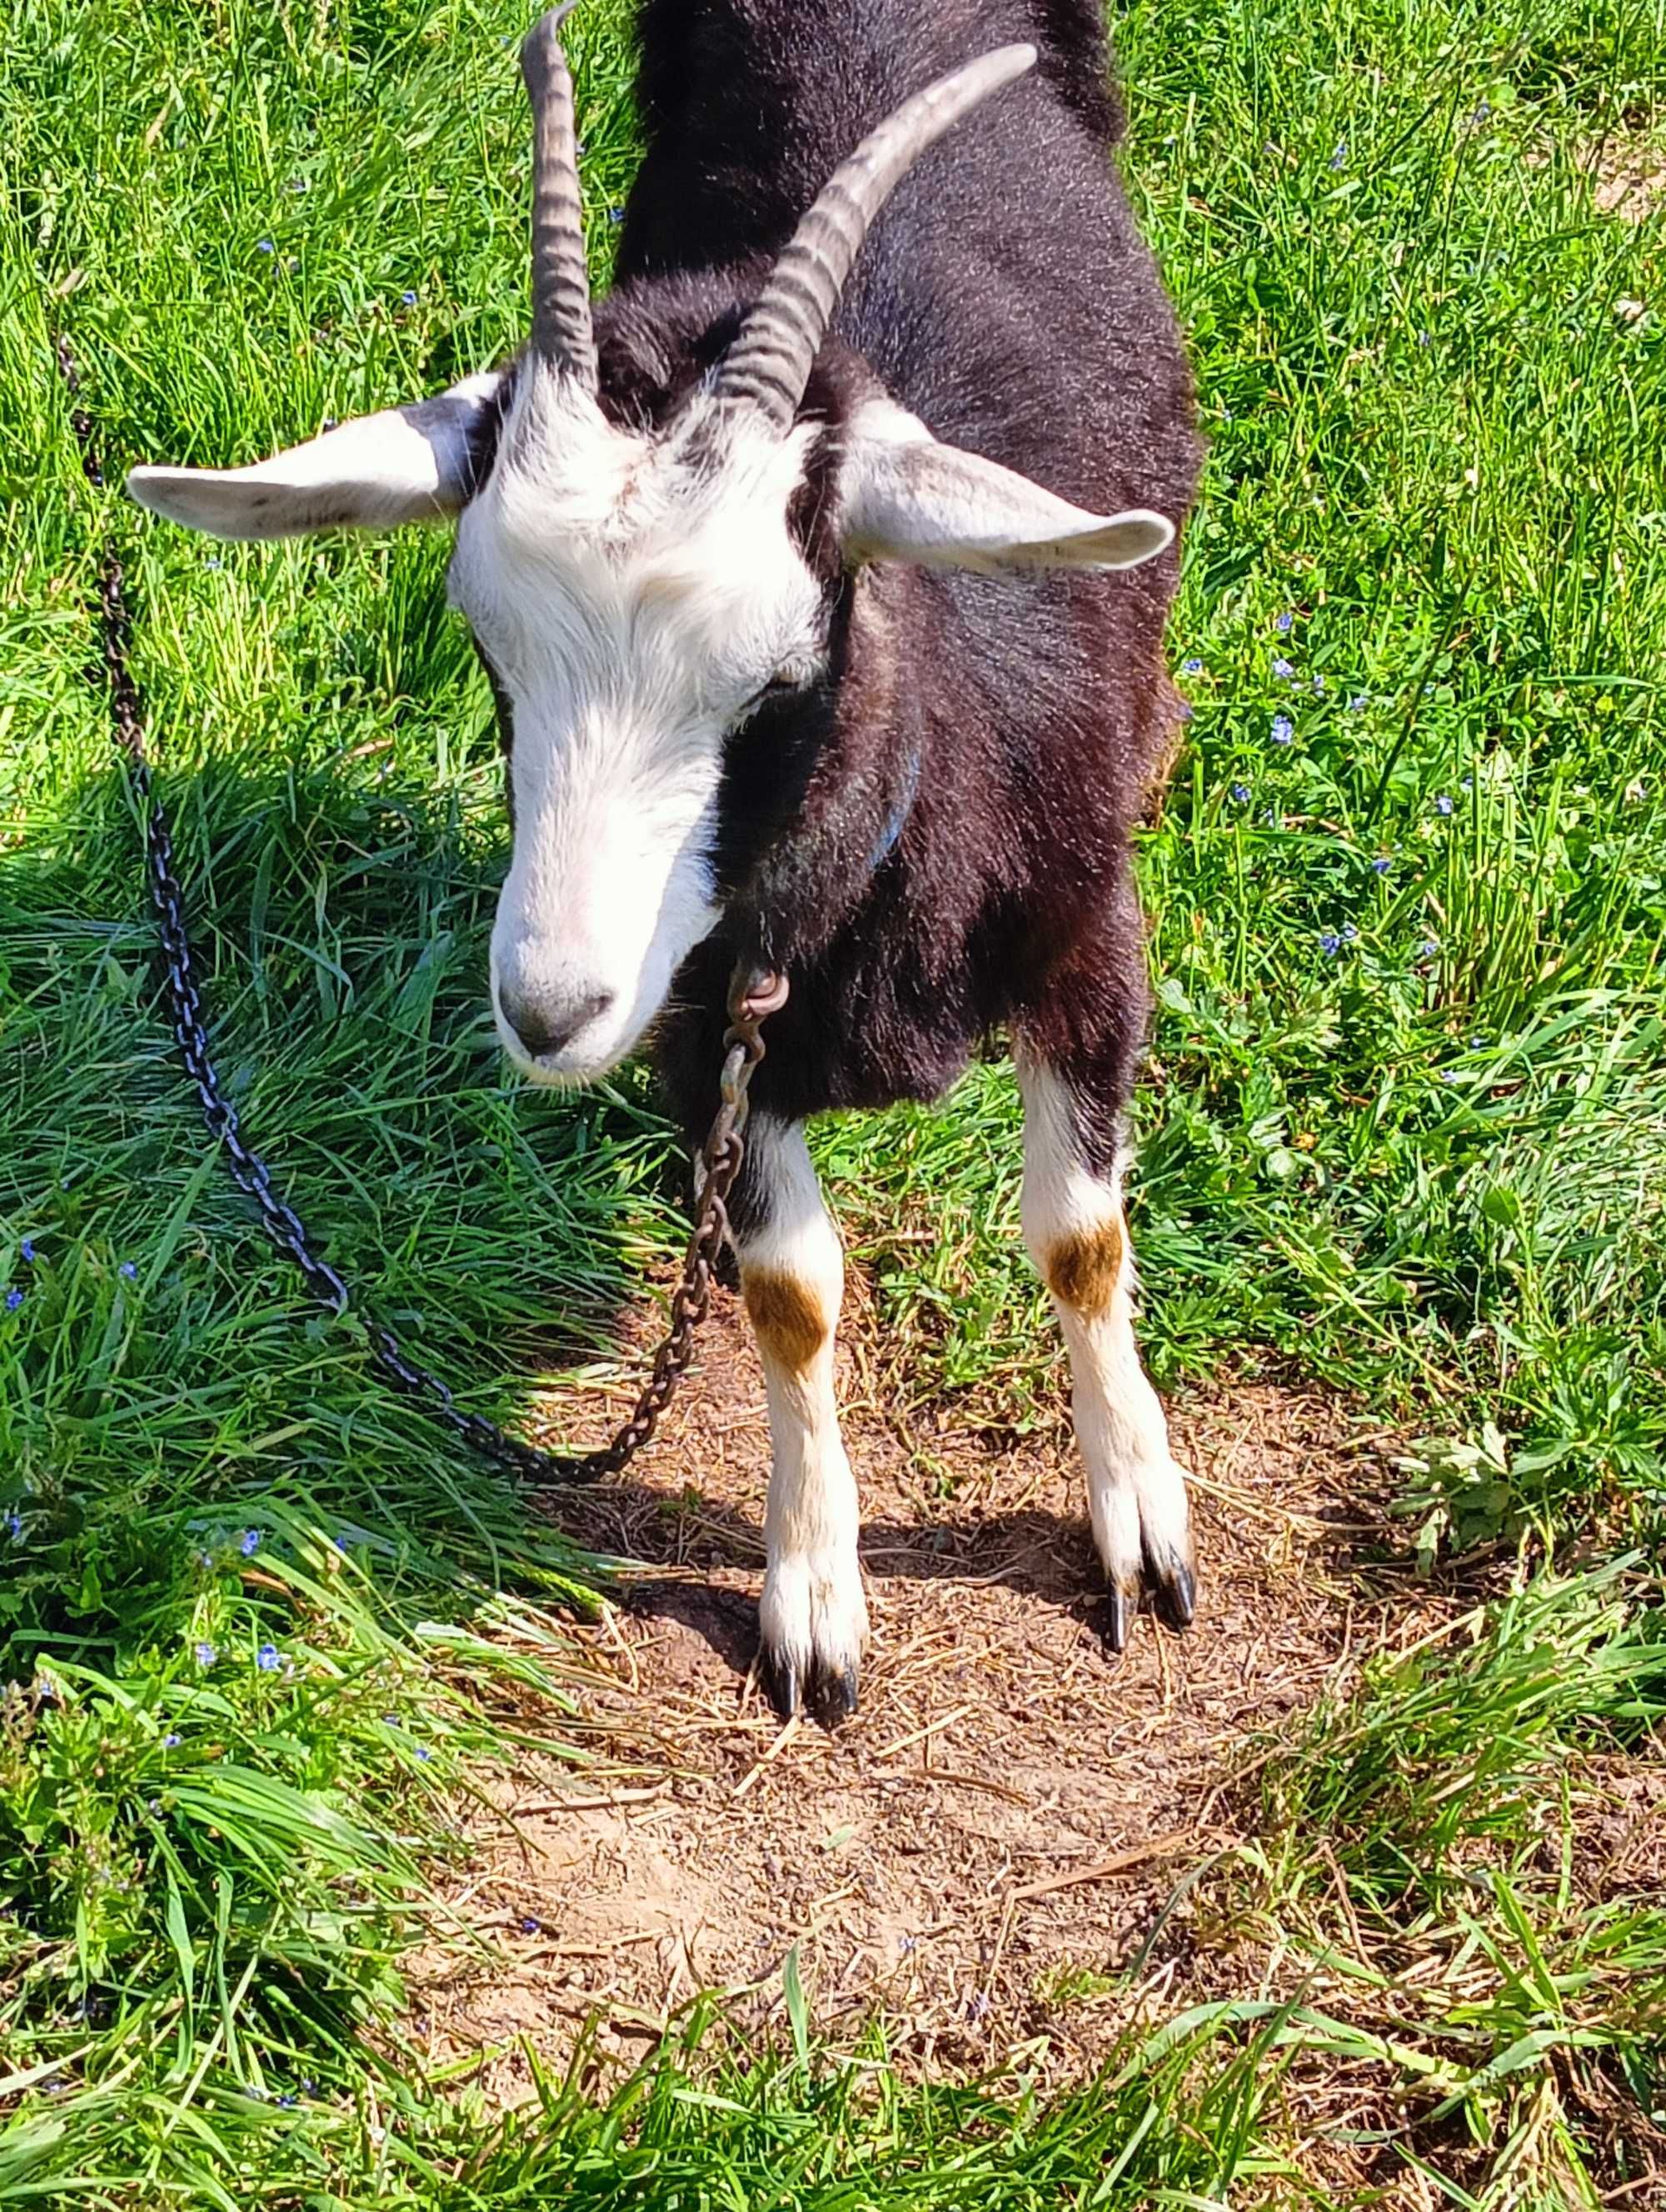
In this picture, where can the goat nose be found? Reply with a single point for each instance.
(545, 1029)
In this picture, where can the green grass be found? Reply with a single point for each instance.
(1433, 1176)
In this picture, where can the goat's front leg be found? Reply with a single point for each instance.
(813, 1617)
(1077, 1237)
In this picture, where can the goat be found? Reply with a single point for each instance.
(783, 672)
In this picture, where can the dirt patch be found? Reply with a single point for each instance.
(1628, 177)
(1625, 166)
(1013, 1819)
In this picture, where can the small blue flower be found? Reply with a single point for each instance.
(214, 562)
(341, 1543)
(1340, 155)
(1423, 338)
(249, 1543)
(1284, 623)
(615, 215)
(288, 2104)
(1468, 784)
(408, 298)
(1284, 729)
(264, 245)
(172, 1742)
(1319, 687)
(14, 1524)
(14, 1300)
(1358, 704)
(128, 1271)
(1428, 949)
(1350, 934)
(422, 1752)
(1443, 805)
(531, 1927)
(1331, 942)
(269, 1659)
(392, 1720)
(1193, 667)
(1283, 671)
(1381, 865)
(1240, 794)
(26, 1251)
(206, 1655)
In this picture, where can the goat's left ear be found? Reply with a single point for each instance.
(406, 464)
(906, 497)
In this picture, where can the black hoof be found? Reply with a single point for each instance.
(826, 1696)
(1173, 1590)
(1121, 1607)
(780, 1682)
(833, 1697)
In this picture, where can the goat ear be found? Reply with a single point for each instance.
(906, 497)
(406, 464)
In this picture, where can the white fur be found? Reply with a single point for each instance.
(814, 1613)
(1136, 1493)
(906, 497)
(405, 464)
(633, 600)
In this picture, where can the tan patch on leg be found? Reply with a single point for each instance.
(1083, 1271)
(786, 1316)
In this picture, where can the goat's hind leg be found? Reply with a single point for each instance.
(1074, 1227)
(813, 1616)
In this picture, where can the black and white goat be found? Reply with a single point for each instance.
(781, 671)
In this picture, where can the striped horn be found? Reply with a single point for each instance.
(562, 333)
(768, 366)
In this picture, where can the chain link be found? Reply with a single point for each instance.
(754, 995)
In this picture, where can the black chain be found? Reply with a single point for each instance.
(754, 994)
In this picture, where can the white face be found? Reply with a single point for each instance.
(634, 603)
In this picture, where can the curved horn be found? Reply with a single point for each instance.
(768, 364)
(562, 334)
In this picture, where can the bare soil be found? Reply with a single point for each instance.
(1629, 174)
(1013, 1819)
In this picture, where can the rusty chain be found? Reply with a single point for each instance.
(754, 995)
